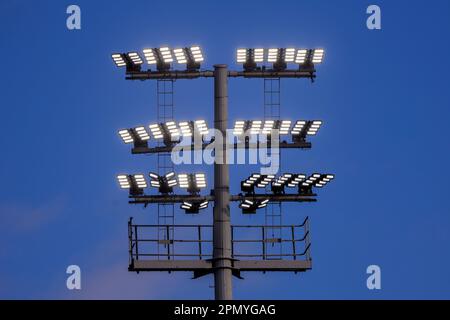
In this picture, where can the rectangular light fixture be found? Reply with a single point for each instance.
(169, 175)
(255, 126)
(269, 125)
(124, 181)
(314, 127)
(135, 58)
(272, 55)
(173, 130)
(166, 54)
(183, 180)
(150, 56)
(140, 181)
(263, 204)
(201, 127)
(200, 180)
(156, 131)
(298, 127)
(239, 127)
(241, 55)
(301, 56)
(194, 207)
(316, 180)
(118, 59)
(204, 204)
(154, 176)
(317, 56)
(197, 54)
(185, 128)
(155, 183)
(266, 127)
(289, 55)
(285, 126)
(186, 205)
(142, 133)
(258, 55)
(180, 55)
(126, 136)
(135, 183)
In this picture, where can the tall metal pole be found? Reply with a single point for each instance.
(221, 225)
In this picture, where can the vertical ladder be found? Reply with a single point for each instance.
(273, 212)
(166, 211)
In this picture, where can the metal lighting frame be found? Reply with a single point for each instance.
(224, 261)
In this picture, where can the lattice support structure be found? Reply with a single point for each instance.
(273, 211)
(166, 211)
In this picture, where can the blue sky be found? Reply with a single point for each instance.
(383, 96)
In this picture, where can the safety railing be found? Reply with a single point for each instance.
(194, 242)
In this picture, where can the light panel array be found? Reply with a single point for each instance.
(164, 183)
(279, 57)
(247, 55)
(192, 182)
(135, 183)
(250, 206)
(286, 180)
(301, 127)
(194, 207)
(169, 131)
(317, 180)
(256, 180)
(138, 136)
(162, 57)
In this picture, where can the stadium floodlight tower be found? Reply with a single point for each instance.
(225, 260)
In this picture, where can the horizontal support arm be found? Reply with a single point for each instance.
(276, 197)
(274, 74)
(206, 266)
(144, 199)
(193, 147)
(155, 75)
(168, 199)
